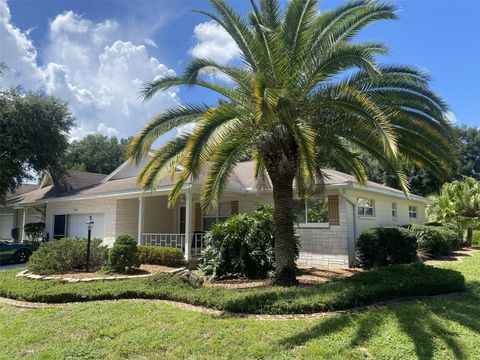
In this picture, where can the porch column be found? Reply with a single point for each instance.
(188, 224)
(141, 219)
(22, 229)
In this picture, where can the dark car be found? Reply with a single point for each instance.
(16, 252)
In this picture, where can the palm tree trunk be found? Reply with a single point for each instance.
(285, 269)
(469, 236)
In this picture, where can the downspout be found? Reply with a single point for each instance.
(350, 249)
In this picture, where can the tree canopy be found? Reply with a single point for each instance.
(33, 136)
(304, 89)
(458, 203)
(96, 153)
(423, 182)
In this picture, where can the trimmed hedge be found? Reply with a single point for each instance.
(358, 290)
(386, 246)
(123, 256)
(158, 255)
(67, 255)
(436, 240)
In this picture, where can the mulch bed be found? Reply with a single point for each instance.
(144, 270)
(309, 276)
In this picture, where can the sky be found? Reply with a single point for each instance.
(97, 54)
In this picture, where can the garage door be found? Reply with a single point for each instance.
(6, 225)
(77, 227)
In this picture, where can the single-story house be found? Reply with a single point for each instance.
(328, 225)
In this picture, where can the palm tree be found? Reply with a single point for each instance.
(304, 89)
(458, 203)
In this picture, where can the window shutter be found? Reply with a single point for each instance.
(333, 210)
(198, 217)
(234, 207)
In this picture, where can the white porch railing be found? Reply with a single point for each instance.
(175, 240)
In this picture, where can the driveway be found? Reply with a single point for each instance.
(4, 267)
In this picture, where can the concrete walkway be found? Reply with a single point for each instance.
(6, 266)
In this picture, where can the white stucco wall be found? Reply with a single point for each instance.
(383, 210)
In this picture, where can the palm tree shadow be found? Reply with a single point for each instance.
(330, 325)
(424, 323)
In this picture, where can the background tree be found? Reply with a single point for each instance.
(304, 89)
(469, 149)
(420, 180)
(33, 137)
(96, 153)
(458, 203)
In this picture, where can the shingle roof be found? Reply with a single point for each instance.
(74, 181)
(89, 184)
(22, 189)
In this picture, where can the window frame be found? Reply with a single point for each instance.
(217, 215)
(307, 224)
(364, 215)
(394, 210)
(411, 211)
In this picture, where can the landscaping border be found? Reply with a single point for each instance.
(229, 314)
(31, 276)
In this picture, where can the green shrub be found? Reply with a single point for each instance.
(124, 255)
(436, 240)
(241, 246)
(386, 246)
(476, 238)
(67, 255)
(158, 255)
(34, 232)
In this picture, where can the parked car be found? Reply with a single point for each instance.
(16, 252)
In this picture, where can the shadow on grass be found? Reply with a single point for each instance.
(423, 322)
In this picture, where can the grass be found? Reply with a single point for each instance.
(360, 289)
(433, 329)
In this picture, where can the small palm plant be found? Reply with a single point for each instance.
(304, 89)
(458, 203)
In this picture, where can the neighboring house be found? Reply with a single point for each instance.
(328, 225)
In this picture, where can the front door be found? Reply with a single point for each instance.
(182, 219)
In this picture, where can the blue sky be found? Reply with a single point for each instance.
(97, 54)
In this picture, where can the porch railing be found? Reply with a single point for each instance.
(175, 240)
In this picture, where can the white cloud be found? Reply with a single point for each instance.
(213, 42)
(150, 42)
(89, 65)
(18, 50)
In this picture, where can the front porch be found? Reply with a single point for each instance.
(149, 219)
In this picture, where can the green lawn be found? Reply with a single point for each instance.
(360, 289)
(439, 329)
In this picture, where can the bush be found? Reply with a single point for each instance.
(476, 238)
(436, 240)
(124, 255)
(386, 246)
(241, 246)
(158, 255)
(34, 232)
(67, 255)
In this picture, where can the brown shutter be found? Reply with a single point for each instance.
(234, 207)
(198, 217)
(333, 211)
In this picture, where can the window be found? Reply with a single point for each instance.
(313, 210)
(394, 210)
(366, 207)
(222, 213)
(412, 212)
